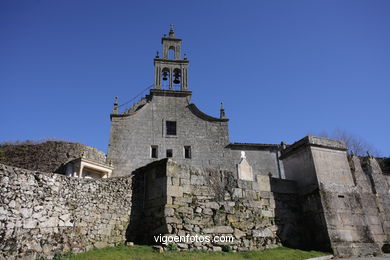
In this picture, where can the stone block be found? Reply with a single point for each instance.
(237, 192)
(26, 212)
(197, 180)
(174, 191)
(212, 205)
(187, 188)
(218, 230)
(238, 233)
(30, 223)
(175, 181)
(169, 211)
(266, 232)
(184, 181)
(263, 183)
(173, 220)
(268, 213)
(186, 210)
(182, 245)
(208, 211)
(65, 217)
(232, 218)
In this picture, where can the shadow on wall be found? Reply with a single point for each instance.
(147, 212)
(299, 218)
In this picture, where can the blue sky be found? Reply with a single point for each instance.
(283, 68)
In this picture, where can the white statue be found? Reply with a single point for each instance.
(243, 156)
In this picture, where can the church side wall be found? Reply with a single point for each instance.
(264, 162)
(45, 213)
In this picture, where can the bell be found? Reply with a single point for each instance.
(177, 77)
(176, 80)
(165, 75)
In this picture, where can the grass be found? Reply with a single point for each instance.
(145, 253)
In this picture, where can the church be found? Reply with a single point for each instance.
(319, 196)
(165, 124)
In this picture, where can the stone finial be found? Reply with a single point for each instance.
(283, 145)
(222, 112)
(157, 55)
(369, 154)
(185, 56)
(171, 32)
(115, 109)
(243, 155)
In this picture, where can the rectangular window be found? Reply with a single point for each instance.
(187, 152)
(154, 151)
(171, 127)
(169, 153)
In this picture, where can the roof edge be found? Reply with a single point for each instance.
(196, 111)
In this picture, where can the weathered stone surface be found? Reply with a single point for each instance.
(238, 233)
(266, 232)
(218, 230)
(79, 215)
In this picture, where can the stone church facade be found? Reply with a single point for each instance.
(165, 124)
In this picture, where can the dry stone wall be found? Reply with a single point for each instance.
(45, 213)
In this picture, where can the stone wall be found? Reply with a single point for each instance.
(352, 212)
(49, 156)
(45, 213)
(182, 200)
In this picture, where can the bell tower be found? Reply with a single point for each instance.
(170, 71)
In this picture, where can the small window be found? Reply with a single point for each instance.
(154, 151)
(171, 127)
(187, 152)
(169, 153)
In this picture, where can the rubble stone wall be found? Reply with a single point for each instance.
(215, 203)
(45, 213)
